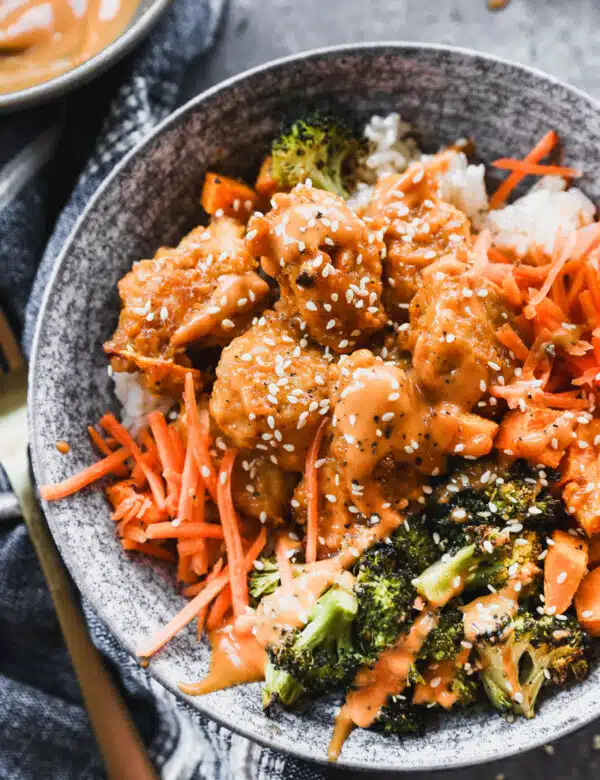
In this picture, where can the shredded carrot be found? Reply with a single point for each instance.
(497, 256)
(188, 530)
(591, 277)
(563, 401)
(85, 477)
(312, 488)
(481, 248)
(539, 151)
(198, 431)
(511, 291)
(283, 562)
(189, 482)
(135, 533)
(220, 608)
(110, 423)
(511, 340)
(561, 255)
(233, 539)
(164, 444)
(206, 595)
(534, 169)
(576, 287)
(198, 562)
(184, 570)
(99, 441)
(190, 546)
(177, 448)
(203, 612)
(153, 550)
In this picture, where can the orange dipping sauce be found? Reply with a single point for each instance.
(41, 39)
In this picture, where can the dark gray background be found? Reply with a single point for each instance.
(558, 36)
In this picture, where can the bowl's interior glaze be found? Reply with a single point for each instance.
(150, 200)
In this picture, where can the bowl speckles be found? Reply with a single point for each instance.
(149, 200)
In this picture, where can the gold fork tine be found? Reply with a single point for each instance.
(120, 744)
(9, 346)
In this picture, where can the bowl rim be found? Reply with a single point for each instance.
(399, 46)
(80, 74)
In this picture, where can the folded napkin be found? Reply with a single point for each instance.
(52, 159)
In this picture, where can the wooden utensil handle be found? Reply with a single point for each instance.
(123, 752)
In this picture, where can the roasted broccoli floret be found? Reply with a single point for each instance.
(520, 550)
(400, 717)
(264, 578)
(468, 548)
(444, 652)
(385, 598)
(318, 148)
(319, 657)
(488, 493)
(280, 688)
(443, 643)
(415, 545)
(532, 652)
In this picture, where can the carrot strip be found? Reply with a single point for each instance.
(539, 151)
(221, 606)
(564, 401)
(562, 254)
(198, 515)
(591, 278)
(153, 550)
(206, 595)
(511, 340)
(283, 562)
(312, 487)
(189, 482)
(99, 441)
(203, 612)
(233, 539)
(198, 563)
(198, 428)
(177, 448)
(191, 546)
(511, 291)
(587, 305)
(187, 530)
(184, 570)
(534, 169)
(85, 477)
(497, 256)
(110, 423)
(481, 248)
(135, 533)
(576, 287)
(164, 444)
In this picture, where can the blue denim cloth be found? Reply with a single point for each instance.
(51, 160)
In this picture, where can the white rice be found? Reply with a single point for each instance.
(136, 400)
(536, 218)
(392, 150)
(463, 186)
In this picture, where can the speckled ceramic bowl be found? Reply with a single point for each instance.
(146, 15)
(150, 199)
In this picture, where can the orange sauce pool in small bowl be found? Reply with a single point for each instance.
(41, 39)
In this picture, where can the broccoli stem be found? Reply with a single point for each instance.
(280, 687)
(330, 621)
(445, 578)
